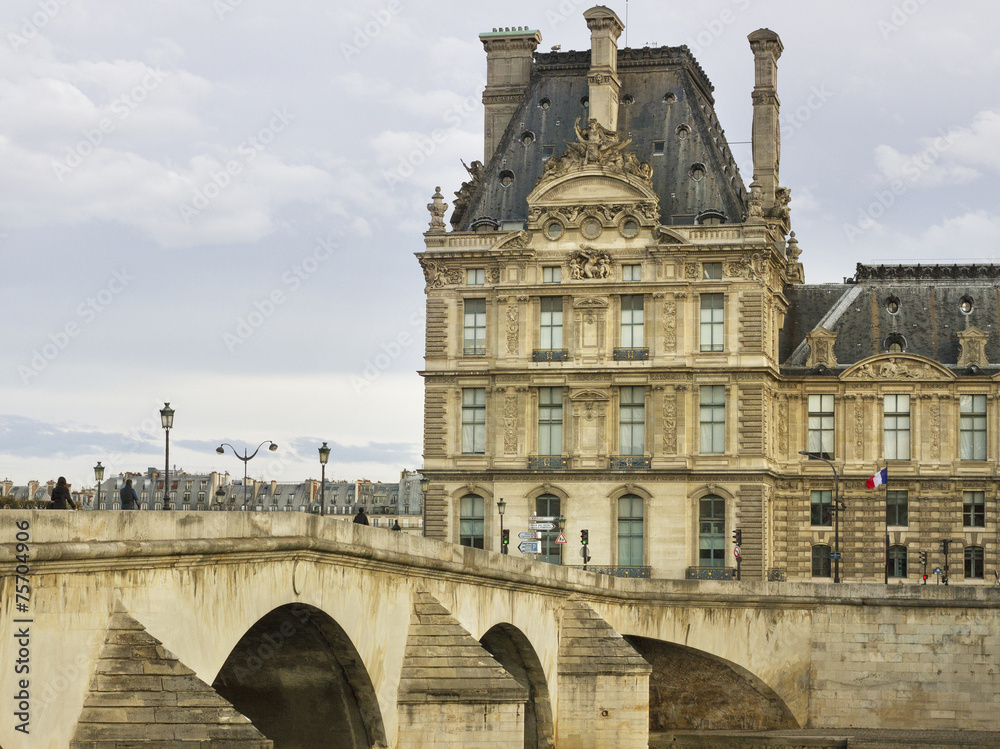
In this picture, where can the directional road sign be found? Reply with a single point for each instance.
(546, 519)
(834, 555)
(528, 534)
(560, 539)
(530, 547)
(542, 526)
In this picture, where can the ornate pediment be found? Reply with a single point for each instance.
(590, 301)
(666, 235)
(897, 367)
(589, 395)
(518, 240)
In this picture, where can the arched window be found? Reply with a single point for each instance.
(630, 531)
(974, 569)
(712, 531)
(897, 561)
(470, 521)
(821, 560)
(549, 505)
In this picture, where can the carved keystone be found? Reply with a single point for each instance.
(141, 694)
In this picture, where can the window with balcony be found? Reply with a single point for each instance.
(821, 425)
(713, 419)
(896, 426)
(632, 321)
(550, 421)
(712, 531)
(474, 339)
(712, 326)
(474, 421)
(972, 431)
(551, 323)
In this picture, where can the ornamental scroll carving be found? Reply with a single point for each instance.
(973, 343)
(669, 421)
(783, 427)
(821, 342)
(510, 424)
(512, 329)
(670, 324)
(935, 429)
(437, 275)
(752, 266)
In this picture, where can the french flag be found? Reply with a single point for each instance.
(880, 478)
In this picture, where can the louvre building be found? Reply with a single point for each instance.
(619, 334)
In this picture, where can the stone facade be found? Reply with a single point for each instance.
(619, 333)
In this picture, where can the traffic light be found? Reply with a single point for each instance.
(585, 537)
(505, 537)
(738, 537)
(923, 558)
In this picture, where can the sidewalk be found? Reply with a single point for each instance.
(847, 738)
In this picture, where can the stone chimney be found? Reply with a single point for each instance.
(766, 137)
(605, 28)
(509, 54)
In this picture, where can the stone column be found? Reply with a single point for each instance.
(766, 135)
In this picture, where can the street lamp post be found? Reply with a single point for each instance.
(837, 507)
(324, 455)
(99, 475)
(167, 421)
(246, 459)
(501, 506)
(424, 486)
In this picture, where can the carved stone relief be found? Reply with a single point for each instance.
(669, 421)
(512, 329)
(510, 425)
(669, 325)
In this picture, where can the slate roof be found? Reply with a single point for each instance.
(662, 89)
(928, 319)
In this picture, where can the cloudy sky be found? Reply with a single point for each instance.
(216, 203)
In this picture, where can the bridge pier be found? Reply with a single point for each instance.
(603, 685)
(452, 693)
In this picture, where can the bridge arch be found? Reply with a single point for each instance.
(697, 690)
(301, 681)
(512, 650)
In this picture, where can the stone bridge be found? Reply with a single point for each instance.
(145, 629)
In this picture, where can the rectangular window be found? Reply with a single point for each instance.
(713, 419)
(550, 421)
(548, 152)
(821, 425)
(631, 273)
(974, 509)
(897, 508)
(551, 323)
(632, 317)
(475, 327)
(711, 271)
(712, 322)
(973, 427)
(471, 521)
(658, 147)
(821, 507)
(630, 531)
(974, 567)
(474, 421)
(821, 561)
(475, 276)
(896, 419)
(552, 274)
(632, 421)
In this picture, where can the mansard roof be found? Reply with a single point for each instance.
(665, 98)
(921, 307)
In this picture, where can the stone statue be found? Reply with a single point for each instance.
(437, 210)
(589, 263)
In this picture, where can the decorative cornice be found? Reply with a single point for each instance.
(925, 272)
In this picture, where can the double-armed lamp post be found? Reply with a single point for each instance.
(246, 458)
(837, 506)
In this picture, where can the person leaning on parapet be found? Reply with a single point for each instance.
(60, 496)
(361, 518)
(130, 500)
(395, 525)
